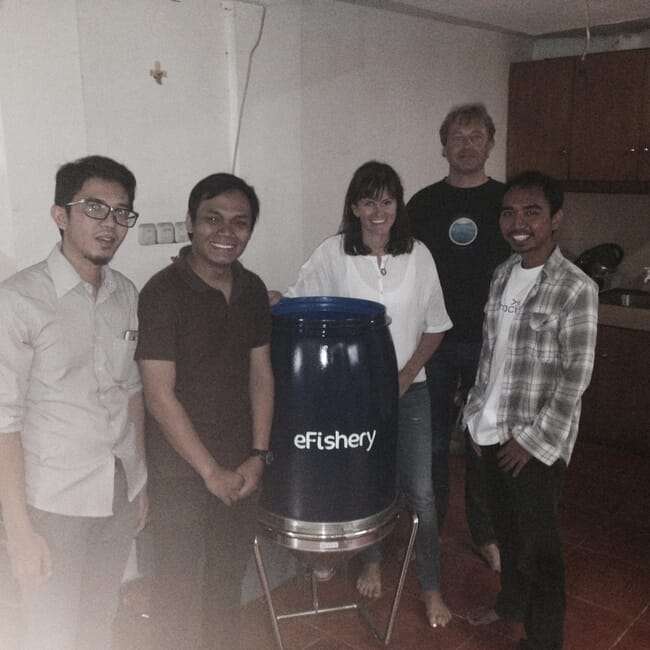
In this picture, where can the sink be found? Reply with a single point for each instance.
(626, 298)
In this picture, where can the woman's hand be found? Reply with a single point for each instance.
(274, 297)
(405, 379)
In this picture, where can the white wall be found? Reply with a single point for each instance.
(270, 156)
(170, 134)
(7, 262)
(43, 121)
(377, 85)
(332, 85)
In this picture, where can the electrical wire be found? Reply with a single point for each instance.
(245, 93)
(587, 31)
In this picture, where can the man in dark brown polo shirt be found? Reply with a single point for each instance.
(203, 352)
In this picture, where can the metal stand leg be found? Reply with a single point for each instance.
(316, 609)
(385, 640)
(261, 572)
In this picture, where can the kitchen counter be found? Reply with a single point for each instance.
(627, 317)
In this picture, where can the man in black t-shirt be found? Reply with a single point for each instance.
(458, 219)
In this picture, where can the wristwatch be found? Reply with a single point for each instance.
(265, 454)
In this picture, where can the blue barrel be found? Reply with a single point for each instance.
(334, 434)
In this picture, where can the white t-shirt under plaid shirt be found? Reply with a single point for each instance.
(483, 426)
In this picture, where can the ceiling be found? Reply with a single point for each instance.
(529, 17)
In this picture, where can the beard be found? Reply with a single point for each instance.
(99, 260)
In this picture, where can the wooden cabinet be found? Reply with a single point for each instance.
(644, 152)
(616, 406)
(539, 116)
(607, 116)
(582, 121)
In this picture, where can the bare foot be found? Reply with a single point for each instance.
(490, 553)
(482, 616)
(369, 582)
(438, 614)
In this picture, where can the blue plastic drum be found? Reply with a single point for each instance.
(334, 434)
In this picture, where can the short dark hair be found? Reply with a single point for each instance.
(217, 184)
(71, 177)
(465, 113)
(551, 188)
(370, 181)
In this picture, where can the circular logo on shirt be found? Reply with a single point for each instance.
(463, 231)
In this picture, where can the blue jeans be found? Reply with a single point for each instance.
(414, 471)
(452, 362)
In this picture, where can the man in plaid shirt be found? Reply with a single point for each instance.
(539, 335)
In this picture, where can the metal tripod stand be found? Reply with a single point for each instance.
(316, 609)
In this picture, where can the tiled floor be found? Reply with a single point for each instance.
(606, 520)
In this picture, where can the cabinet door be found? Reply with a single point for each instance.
(539, 116)
(615, 406)
(607, 116)
(644, 149)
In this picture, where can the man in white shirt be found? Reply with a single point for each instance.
(72, 470)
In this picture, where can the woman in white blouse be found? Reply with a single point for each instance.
(374, 257)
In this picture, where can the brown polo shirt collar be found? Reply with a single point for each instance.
(188, 275)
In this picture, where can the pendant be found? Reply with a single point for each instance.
(383, 270)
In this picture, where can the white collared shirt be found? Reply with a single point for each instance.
(409, 289)
(66, 376)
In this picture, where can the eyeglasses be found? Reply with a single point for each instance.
(474, 139)
(96, 209)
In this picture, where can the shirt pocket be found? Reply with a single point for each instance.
(123, 359)
(544, 336)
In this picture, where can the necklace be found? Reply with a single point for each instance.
(381, 258)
